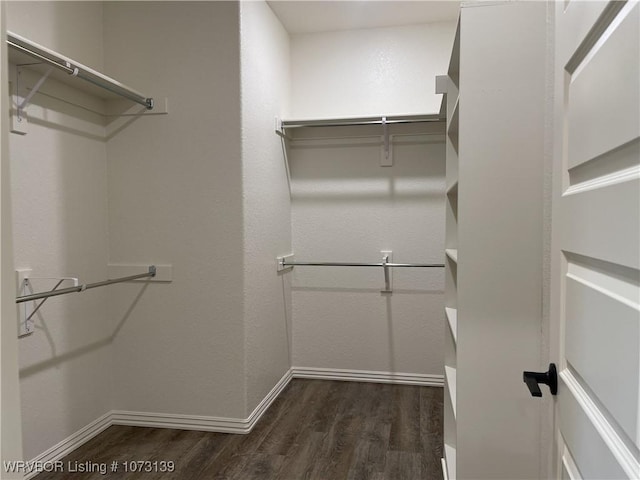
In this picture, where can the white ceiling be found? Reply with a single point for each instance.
(306, 16)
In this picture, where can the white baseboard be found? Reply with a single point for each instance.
(69, 444)
(157, 420)
(222, 424)
(369, 376)
(269, 399)
(202, 423)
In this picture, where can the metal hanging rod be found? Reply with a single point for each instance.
(349, 122)
(86, 286)
(76, 69)
(285, 263)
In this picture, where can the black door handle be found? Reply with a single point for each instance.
(532, 379)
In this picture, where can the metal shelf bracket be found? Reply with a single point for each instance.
(25, 101)
(27, 310)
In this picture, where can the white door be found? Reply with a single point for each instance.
(596, 241)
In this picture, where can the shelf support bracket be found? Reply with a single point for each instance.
(25, 101)
(279, 128)
(26, 326)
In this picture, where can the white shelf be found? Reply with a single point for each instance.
(453, 120)
(450, 375)
(454, 63)
(452, 318)
(451, 313)
(360, 121)
(85, 78)
(453, 188)
(453, 128)
(450, 461)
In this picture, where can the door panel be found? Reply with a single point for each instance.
(602, 336)
(577, 21)
(599, 121)
(613, 166)
(593, 225)
(569, 469)
(596, 240)
(579, 422)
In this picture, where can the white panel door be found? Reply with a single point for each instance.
(596, 240)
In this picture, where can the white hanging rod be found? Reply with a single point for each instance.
(349, 122)
(76, 69)
(86, 286)
(285, 263)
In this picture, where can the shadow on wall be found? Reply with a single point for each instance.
(58, 107)
(391, 342)
(348, 169)
(285, 278)
(56, 358)
(346, 207)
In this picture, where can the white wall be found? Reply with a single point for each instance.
(267, 209)
(370, 71)
(205, 189)
(10, 420)
(60, 229)
(72, 28)
(346, 208)
(175, 196)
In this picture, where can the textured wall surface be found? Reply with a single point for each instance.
(206, 190)
(59, 195)
(10, 421)
(346, 208)
(175, 196)
(71, 28)
(372, 71)
(267, 206)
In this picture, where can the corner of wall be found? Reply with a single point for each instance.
(175, 197)
(265, 79)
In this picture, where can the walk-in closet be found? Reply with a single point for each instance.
(324, 240)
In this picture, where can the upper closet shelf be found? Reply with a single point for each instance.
(454, 63)
(357, 121)
(385, 122)
(23, 52)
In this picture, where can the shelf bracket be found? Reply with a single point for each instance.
(386, 156)
(442, 84)
(282, 261)
(28, 309)
(279, 128)
(25, 101)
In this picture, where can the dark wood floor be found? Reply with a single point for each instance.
(316, 429)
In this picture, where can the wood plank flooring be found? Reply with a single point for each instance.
(315, 430)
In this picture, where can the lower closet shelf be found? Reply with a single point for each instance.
(450, 375)
(450, 460)
(452, 318)
(452, 253)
